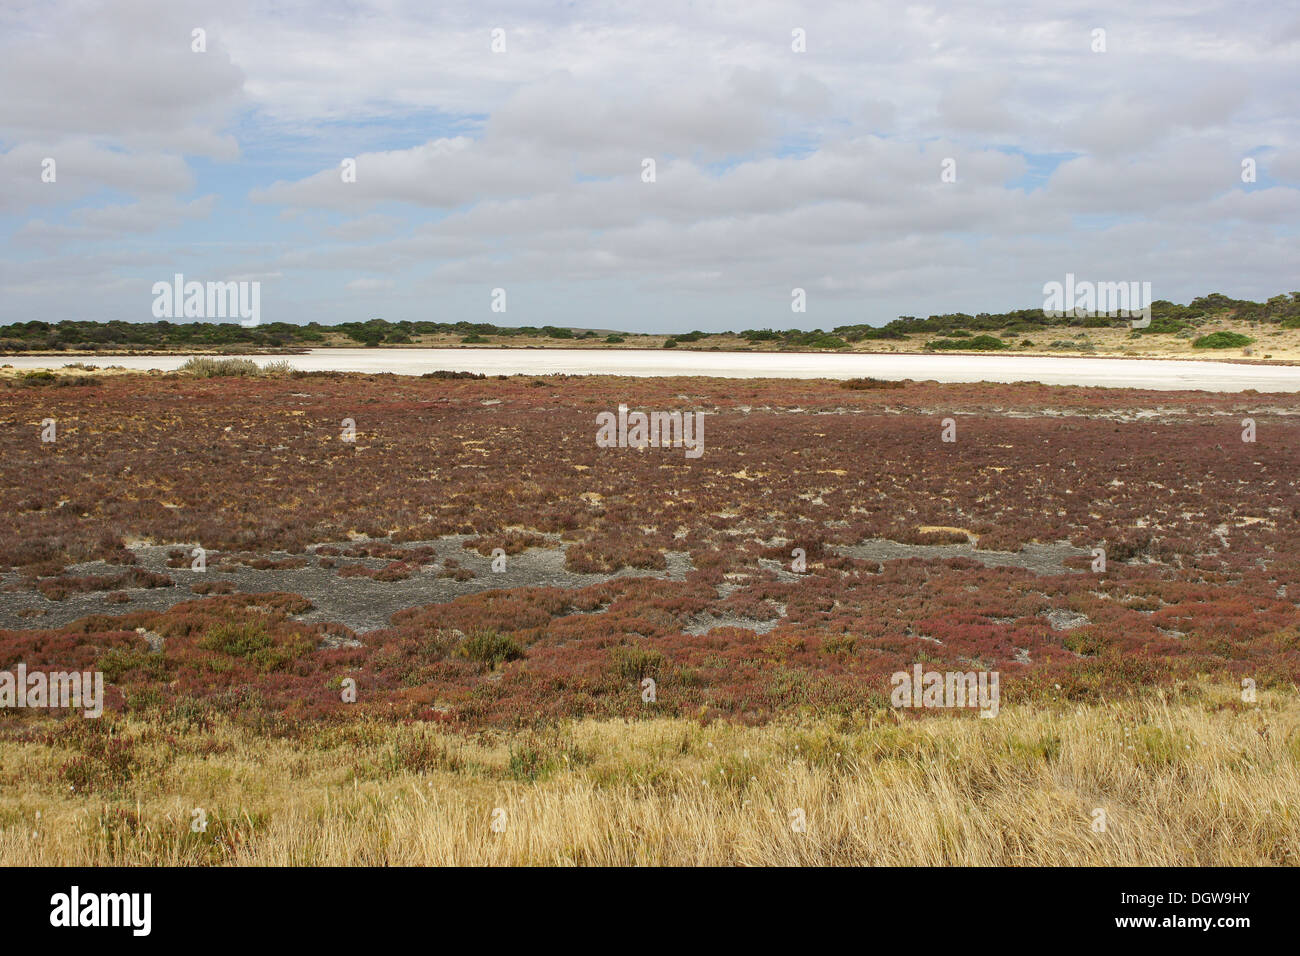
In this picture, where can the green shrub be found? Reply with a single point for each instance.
(250, 641)
(1222, 340)
(490, 648)
(632, 663)
(841, 644)
(118, 662)
(444, 373)
(816, 341)
(237, 640)
(980, 343)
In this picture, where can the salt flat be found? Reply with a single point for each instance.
(1050, 370)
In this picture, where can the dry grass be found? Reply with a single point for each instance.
(1197, 779)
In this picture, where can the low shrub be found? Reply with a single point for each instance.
(1222, 340)
(57, 588)
(203, 367)
(979, 343)
(633, 663)
(863, 384)
(106, 762)
(444, 373)
(237, 640)
(490, 648)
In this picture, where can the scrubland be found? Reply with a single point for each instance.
(1215, 323)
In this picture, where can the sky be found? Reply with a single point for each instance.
(885, 158)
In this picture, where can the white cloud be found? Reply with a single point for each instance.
(773, 168)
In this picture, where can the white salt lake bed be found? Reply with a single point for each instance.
(1049, 370)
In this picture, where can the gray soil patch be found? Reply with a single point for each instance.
(782, 571)
(703, 623)
(357, 602)
(1062, 620)
(1039, 558)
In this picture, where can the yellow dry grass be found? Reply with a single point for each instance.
(1197, 779)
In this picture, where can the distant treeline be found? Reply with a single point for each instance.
(1166, 317)
(57, 336)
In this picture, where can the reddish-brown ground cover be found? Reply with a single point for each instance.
(1198, 527)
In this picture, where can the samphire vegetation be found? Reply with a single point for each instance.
(1199, 581)
(1120, 689)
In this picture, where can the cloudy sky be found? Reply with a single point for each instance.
(523, 168)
